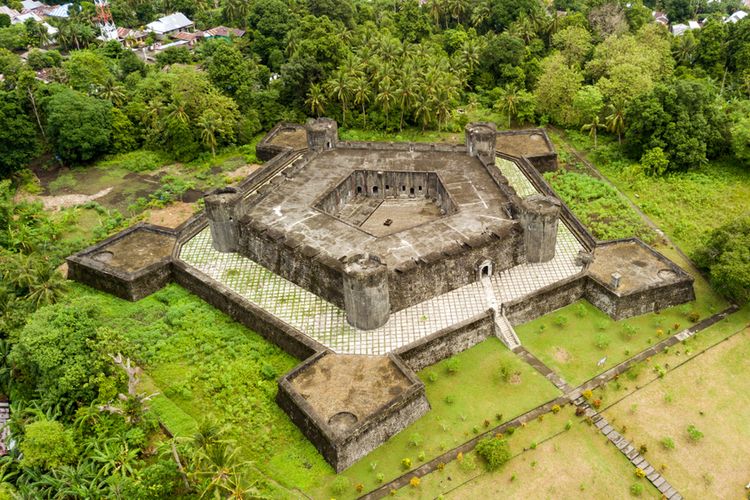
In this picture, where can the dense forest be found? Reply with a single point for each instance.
(672, 103)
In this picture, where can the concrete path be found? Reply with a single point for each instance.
(545, 370)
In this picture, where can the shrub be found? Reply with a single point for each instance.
(449, 400)
(640, 473)
(359, 487)
(636, 489)
(568, 425)
(47, 444)
(432, 376)
(580, 310)
(560, 320)
(414, 482)
(667, 443)
(452, 365)
(406, 463)
(694, 433)
(602, 342)
(587, 394)
(628, 331)
(340, 485)
(422, 456)
(694, 316)
(555, 409)
(415, 439)
(380, 477)
(724, 256)
(495, 452)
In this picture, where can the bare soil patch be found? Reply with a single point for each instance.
(171, 216)
(561, 355)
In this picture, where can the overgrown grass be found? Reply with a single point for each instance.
(685, 205)
(407, 135)
(599, 207)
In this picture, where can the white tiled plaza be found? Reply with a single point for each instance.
(327, 323)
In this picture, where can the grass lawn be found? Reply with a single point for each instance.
(204, 365)
(463, 404)
(575, 463)
(572, 340)
(710, 392)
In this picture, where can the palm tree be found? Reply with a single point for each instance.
(362, 93)
(386, 97)
(481, 13)
(209, 124)
(316, 100)
(177, 111)
(471, 53)
(237, 11)
(113, 91)
(436, 11)
(508, 101)
(47, 286)
(593, 127)
(423, 110)
(615, 120)
(339, 87)
(407, 94)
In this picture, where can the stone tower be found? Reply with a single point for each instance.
(539, 215)
(224, 208)
(366, 297)
(480, 139)
(322, 134)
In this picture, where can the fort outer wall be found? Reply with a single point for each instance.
(343, 451)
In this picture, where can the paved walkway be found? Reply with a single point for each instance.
(327, 323)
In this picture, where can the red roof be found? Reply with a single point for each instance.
(224, 31)
(187, 36)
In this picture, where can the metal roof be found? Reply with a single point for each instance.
(170, 23)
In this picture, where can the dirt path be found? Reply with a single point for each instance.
(172, 215)
(64, 200)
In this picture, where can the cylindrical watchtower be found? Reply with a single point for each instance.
(322, 134)
(539, 215)
(480, 139)
(366, 297)
(224, 208)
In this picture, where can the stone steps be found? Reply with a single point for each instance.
(631, 453)
(505, 332)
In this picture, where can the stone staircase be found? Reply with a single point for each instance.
(503, 329)
(505, 332)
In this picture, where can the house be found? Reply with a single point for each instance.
(189, 37)
(680, 29)
(61, 11)
(223, 32)
(22, 18)
(170, 25)
(130, 37)
(660, 17)
(30, 5)
(736, 17)
(11, 13)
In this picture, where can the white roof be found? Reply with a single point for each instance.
(694, 25)
(10, 12)
(23, 17)
(60, 11)
(679, 29)
(31, 4)
(51, 30)
(170, 23)
(737, 16)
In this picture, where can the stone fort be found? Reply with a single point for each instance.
(369, 261)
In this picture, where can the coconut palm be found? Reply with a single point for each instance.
(209, 124)
(593, 127)
(316, 100)
(47, 286)
(508, 101)
(615, 120)
(407, 94)
(386, 97)
(362, 93)
(339, 87)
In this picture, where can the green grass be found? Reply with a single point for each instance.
(478, 394)
(711, 392)
(408, 135)
(589, 335)
(566, 464)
